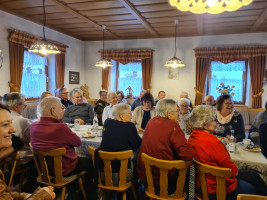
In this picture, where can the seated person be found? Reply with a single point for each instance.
(142, 114)
(56, 92)
(64, 96)
(209, 150)
(17, 144)
(107, 113)
(164, 139)
(45, 94)
(161, 95)
(120, 134)
(209, 100)
(228, 119)
(263, 138)
(51, 133)
(72, 94)
(120, 96)
(184, 116)
(16, 103)
(137, 102)
(254, 130)
(102, 102)
(82, 112)
(6, 129)
(184, 95)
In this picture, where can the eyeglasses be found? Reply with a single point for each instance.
(184, 106)
(229, 104)
(64, 93)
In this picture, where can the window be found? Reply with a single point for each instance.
(34, 75)
(123, 76)
(234, 73)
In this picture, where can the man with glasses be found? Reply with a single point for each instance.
(64, 96)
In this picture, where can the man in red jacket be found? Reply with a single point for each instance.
(51, 133)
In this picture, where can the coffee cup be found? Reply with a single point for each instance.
(246, 142)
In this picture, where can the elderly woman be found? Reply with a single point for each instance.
(228, 119)
(209, 150)
(6, 129)
(184, 116)
(102, 102)
(79, 111)
(46, 94)
(120, 96)
(144, 113)
(120, 134)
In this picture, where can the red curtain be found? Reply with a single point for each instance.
(147, 73)
(59, 70)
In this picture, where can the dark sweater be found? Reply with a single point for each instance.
(100, 105)
(66, 103)
(236, 124)
(119, 136)
(82, 111)
(263, 138)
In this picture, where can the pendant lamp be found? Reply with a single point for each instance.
(103, 62)
(175, 62)
(43, 46)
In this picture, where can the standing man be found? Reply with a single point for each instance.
(79, 111)
(209, 100)
(161, 95)
(107, 113)
(137, 102)
(64, 96)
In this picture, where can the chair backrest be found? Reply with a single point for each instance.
(40, 158)
(250, 197)
(164, 166)
(220, 173)
(8, 166)
(107, 157)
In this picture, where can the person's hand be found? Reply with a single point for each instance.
(80, 120)
(140, 130)
(45, 193)
(50, 191)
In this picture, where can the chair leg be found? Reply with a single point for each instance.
(124, 195)
(21, 179)
(101, 192)
(63, 191)
(134, 193)
(82, 188)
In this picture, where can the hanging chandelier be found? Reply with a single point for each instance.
(103, 62)
(175, 62)
(209, 6)
(43, 46)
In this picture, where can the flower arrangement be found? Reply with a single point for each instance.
(225, 89)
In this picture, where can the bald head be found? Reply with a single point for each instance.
(209, 100)
(51, 107)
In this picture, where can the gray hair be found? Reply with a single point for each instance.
(183, 101)
(184, 93)
(103, 91)
(120, 108)
(46, 104)
(13, 98)
(165, 106)
(111, 94)
(56, 91)
(76, 90)
(201, 115)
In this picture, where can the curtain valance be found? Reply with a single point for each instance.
(127, 56)
(27, 40)
(230, 54)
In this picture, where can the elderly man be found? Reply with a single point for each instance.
(16, 103)
(171, 145)
(51, 133)
(82, 112)
(161, 95)
(107, 113)
(137, 102)
(64, 96)
(209, 100)
(56, 91)
(185, 95)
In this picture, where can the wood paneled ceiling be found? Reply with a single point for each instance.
(134, 19)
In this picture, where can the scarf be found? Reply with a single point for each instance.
(224, 120)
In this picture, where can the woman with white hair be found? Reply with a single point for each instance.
(120, 134)
(184, 116)
(209, 150)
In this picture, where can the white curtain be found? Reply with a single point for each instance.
(33, 76)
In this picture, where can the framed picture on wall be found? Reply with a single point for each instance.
(74, 77)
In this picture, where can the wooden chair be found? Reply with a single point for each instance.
(56, 180)
(164, 166)
(107, 157)
(220, 173)
(8, 166)
(250, 197)
(99, 117)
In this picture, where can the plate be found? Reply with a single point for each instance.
(91, 136)
(88, 135)
(253, 148)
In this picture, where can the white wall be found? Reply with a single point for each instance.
(74, 56)
(164, 50)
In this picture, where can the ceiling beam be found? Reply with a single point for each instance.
(200, 24)
(138, 16)
(82, 17)
(259, 21)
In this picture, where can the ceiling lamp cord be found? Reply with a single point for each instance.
(176, 24)
(44, 20)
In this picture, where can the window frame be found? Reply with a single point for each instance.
(244, 78)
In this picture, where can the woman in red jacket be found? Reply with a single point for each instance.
(209, 150)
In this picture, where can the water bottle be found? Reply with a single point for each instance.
(95, 124)
(77, 125)
(232, 142)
